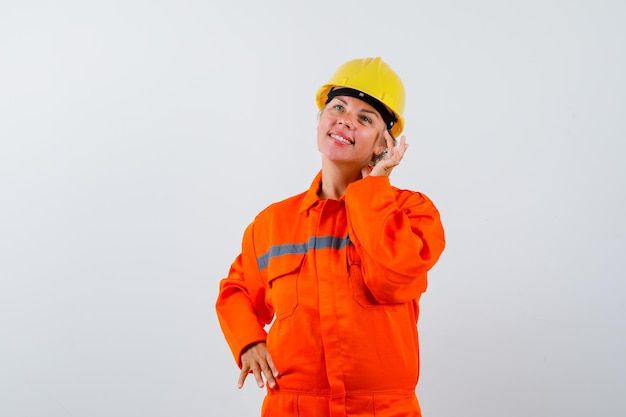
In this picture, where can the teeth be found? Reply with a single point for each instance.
(340, 139)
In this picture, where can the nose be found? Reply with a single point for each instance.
(344, 120)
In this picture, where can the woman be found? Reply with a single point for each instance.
(338, 270)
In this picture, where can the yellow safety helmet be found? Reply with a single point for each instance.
(377, 80)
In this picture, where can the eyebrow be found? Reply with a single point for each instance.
(374, 112)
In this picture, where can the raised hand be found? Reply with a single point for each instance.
(391, 160)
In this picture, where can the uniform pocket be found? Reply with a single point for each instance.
(361, 293)
(282, 276)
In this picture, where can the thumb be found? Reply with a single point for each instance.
(366, 171)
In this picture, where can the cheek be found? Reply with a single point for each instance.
(323, 127)
(323, 120)
(375, 142)
(319, 130)
(321, 135)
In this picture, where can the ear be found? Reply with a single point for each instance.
(381, 145)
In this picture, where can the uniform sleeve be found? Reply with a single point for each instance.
(241, 307)
(398, 235)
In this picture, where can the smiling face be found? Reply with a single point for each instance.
(350, 132)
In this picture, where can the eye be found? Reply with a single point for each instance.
(338, 107)
(366, 119)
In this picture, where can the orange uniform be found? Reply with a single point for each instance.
(340, 282)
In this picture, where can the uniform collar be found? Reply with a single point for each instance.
(311, 198)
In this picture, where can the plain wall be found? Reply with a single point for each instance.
(138, 139)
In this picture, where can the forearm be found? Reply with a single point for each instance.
(238, 319)
(240, 306)
(398, 235)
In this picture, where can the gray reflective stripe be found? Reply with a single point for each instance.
(324, 242)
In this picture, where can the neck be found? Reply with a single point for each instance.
(335, 180)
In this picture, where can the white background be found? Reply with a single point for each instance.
(139, 138)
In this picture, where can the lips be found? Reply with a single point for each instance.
(341, 139)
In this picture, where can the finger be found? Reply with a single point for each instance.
(366, 171)
(398, 152)
(270, 363)
(258, 376)
(271, 373)
(392, 148)
(402, 147)
(242, 376)
(269, 377)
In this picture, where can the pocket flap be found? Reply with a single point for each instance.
(279, 266)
